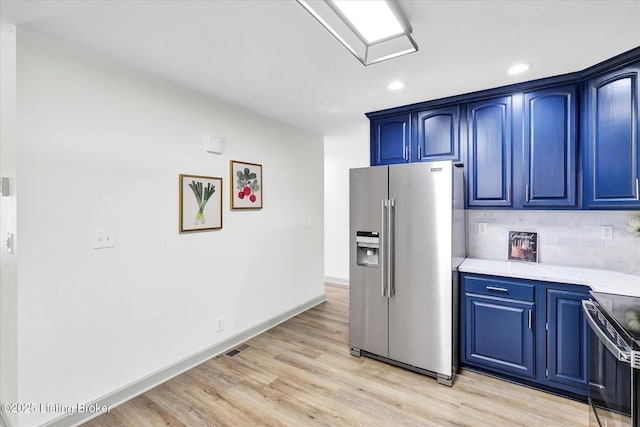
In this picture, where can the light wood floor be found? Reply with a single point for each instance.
(300, 373)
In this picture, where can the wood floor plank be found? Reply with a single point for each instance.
(301, 373)
(141, 411)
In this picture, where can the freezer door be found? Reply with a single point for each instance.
(420, 311)
(368, 308)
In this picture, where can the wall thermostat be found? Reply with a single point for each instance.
(213, 144)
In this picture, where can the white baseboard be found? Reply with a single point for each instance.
(134, 389)
(338, 280)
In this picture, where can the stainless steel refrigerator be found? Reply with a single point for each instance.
(407, 228)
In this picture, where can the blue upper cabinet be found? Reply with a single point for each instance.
(489, 153)
(438, 134)
(390, 137)
(610, 138)
(563, 142)
(549, 149)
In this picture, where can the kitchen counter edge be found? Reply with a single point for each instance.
(598, 280)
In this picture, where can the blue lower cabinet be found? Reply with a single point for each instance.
(567, 352)
(523, 329)
(499, 334)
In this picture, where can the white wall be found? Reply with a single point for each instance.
(101, 146)
(564, 237)
(8, 215)
(348, 148)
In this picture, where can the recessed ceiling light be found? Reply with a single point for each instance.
(518, 68)
(395, 85)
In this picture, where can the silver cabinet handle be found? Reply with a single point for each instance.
(383, 254)
(391, 234)
(637, 189)
(508, 193)
(621, 354)
(406, 152)
(530, 319)
(526, 193)
(419, 152)
(495, 288)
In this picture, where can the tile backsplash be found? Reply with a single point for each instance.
(564, 237)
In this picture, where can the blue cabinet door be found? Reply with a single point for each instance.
(438, 134)
(489, 148)
(391, 140)
(498, 334)
(610, 140)
(567, 341)
(549, 149)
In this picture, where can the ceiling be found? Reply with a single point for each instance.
(272, 57)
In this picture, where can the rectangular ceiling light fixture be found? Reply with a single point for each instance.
(372, 30)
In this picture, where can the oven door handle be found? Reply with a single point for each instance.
(622, 355)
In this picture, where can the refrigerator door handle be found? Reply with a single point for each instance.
(383, 249)
(391, 288)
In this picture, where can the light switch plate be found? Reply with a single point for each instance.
(104, 238)
(4, 186)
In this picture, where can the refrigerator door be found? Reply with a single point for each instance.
(420, 311)
(368, 307)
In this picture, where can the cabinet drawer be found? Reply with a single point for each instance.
(499, 288)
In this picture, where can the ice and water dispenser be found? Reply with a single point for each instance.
(367, 248)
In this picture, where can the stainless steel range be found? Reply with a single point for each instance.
(614, 373)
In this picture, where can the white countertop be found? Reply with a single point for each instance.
(598, 280)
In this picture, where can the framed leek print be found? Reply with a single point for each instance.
(246, 185)
(200, 203)
(523, 246)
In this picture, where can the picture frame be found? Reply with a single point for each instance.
(200, 203)
(523, 246)
(246, 185)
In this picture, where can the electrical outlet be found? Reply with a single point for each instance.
(606, 232)
(104, 238)
(482, 228)
(219, 324)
